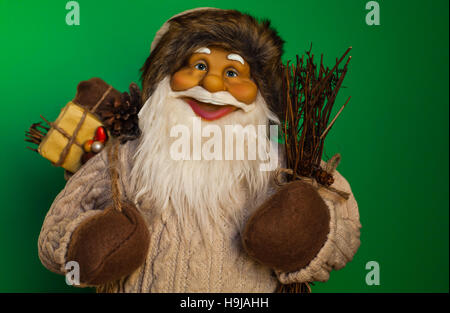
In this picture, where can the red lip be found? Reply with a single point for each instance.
(208, 111)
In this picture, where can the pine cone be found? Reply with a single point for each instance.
(122, 121)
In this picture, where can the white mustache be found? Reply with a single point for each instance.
(217, 98)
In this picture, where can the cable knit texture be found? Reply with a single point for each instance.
(179, 264)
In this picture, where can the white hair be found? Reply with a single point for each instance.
(207, 193)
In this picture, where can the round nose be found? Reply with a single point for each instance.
(212, 83)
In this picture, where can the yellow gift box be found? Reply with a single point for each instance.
(63, 144)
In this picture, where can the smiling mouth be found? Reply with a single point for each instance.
(209, 111)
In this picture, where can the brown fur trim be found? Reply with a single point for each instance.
(241, 33)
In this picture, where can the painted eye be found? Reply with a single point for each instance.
(200, 66)
(231, 73)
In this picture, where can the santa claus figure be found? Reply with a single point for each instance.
(196, 223)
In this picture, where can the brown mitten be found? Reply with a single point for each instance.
(289, 229)
(109, 245)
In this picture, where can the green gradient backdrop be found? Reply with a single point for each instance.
(393, 135)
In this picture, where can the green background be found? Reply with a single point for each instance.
(393, 135)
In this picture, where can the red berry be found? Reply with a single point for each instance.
(100, 134)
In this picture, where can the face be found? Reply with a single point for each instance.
(218, 72)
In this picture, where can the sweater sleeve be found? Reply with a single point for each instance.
(86, 192)
(342, 241)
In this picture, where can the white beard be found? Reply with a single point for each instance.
(212, 193)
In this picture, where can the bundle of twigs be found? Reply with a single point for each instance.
(36, 133)
(294, 288)
(310, 93)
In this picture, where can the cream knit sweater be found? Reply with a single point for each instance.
(178, 264)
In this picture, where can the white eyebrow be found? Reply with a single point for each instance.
(235, 57)
(203, 50)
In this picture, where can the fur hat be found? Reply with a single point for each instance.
(232, 30)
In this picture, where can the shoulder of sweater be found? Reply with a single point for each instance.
(126, 154)
(129, 148)
(101, 161)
